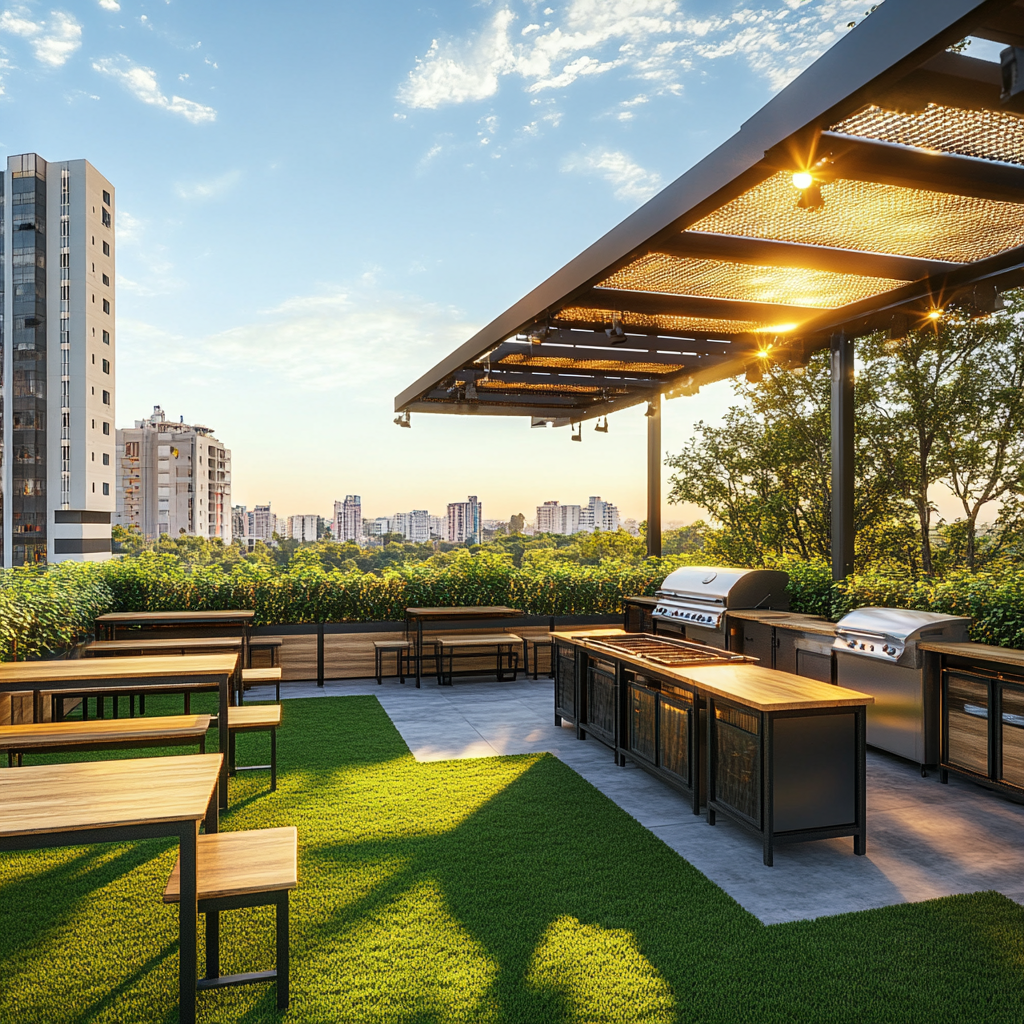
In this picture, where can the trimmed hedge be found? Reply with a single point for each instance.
(45, 610)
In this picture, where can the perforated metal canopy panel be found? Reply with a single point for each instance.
(915, 199)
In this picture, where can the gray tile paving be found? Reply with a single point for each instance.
(925, 839)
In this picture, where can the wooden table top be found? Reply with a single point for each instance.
(165, 643)
(568, 634)
(133, 618)
(105, 794)
(36, 674)
(788, 620)
(103, 730)
(466, 612)
(982, 652)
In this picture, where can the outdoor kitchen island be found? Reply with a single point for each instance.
(780, 754)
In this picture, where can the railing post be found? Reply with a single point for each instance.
(319, 654)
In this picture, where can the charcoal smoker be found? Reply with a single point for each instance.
(696, 600)
(877, 652)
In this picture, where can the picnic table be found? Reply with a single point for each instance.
(415, 617)
(110, 624)
(129, 675)
(47, 806)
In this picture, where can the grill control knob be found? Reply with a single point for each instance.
(851, 643)
(871, 647)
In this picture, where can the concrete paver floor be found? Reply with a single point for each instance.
(924, 839)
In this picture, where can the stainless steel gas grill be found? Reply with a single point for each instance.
(877, 652)
(697, 599)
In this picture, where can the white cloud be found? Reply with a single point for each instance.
(109, 5)
(632, 183)
(355, 336)
(53, 41)
(649, 39)
(141, 82)
(210, 189)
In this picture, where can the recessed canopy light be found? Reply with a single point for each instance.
(803, 179)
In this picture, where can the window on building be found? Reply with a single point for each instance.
(65, 259)
(93, 239)
(106, 488)
(106, 365)
(93, 488)
(106, 197)
(106, 280)
(93, 424)
(106, 248)
(106, 398)
(106, 427)
(106, 218)
(106, 337)
(93, 360)
(106, 459)
(93, 390)
(106, 305)
(93, 456)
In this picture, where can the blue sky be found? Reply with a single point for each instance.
(316, 203)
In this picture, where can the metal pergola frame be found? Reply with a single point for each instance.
(889, 124)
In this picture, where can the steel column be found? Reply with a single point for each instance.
(654, 477)
(842, 456)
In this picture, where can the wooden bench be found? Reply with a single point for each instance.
(255, 718)
(265, 643)
(260, 677)
(254, 868)
(104, 734)
(405, 652)
(113, 690)
(471, 646)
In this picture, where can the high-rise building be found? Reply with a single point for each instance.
(555, 518)
(437, 525)
(464, 521)
(348, 518)
(57, 358)
(599, 515)
(302, 528)
(413, 526)
(173, 478)
(239, 522)
(262, 524)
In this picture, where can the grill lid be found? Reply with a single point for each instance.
(888, 633)
(701, 593)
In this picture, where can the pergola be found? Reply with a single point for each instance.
(882, 185)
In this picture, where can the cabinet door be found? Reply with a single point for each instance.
(674, 720)
(737, 757)
(601, 697)
(564, 667)
(758, 642)
(643, 707)
(1012, 726)
(967, 714)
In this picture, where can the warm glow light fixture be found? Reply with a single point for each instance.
(403, 419)
(602, 428)
(935, 314)
(615, 332)
(578, 436)
(651, 411)
(803, 180)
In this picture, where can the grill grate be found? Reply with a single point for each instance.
(670, 653)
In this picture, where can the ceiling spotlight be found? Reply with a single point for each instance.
(651, 410)
(403, 419)
(935, 314)
(539, 334)
(803, 180)
(602, 429)
(578, 436)
(615, 332)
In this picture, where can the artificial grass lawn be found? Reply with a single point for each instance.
(503, 889)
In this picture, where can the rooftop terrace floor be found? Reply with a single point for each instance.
(925, 839)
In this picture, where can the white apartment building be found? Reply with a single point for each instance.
(173, 478)
(437, 527)
(262, 524)
(413, 526)
(239, 522)
(348, 518)
(465, 521)
(57, 343)
(599, 515)
(302, 528)
(555, 518)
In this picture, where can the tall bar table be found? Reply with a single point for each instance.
(415, 617)
(238, 620)
(46, 806)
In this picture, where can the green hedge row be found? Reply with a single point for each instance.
(49, 610)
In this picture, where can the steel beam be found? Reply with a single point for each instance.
(661, 304)
(842, 415)
(654, 478)
(768, 253)
(951, 80)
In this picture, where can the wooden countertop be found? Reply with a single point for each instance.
(103, 730)
(983, 652)
(647, 602)
(568, 634)
(36, 674)
(105, 794)
(753, 686)
(138, 618)
(788, 620)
